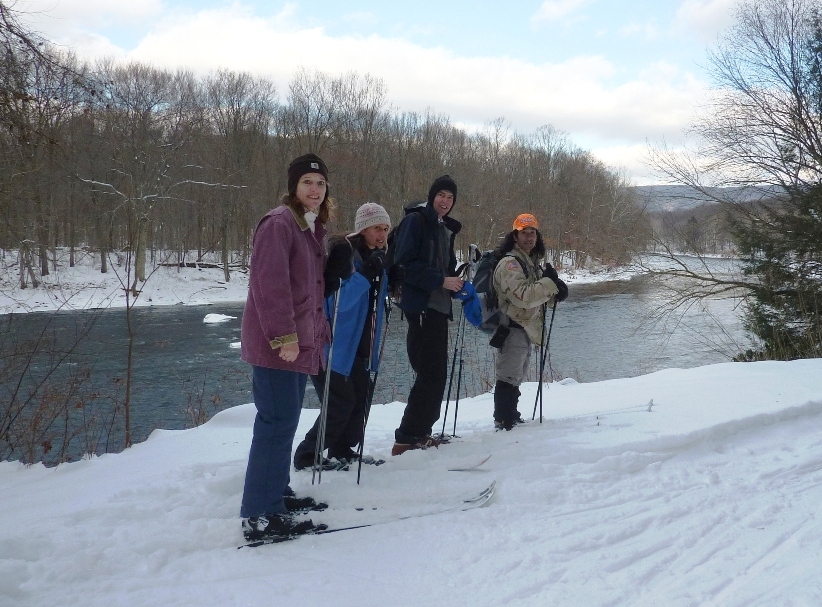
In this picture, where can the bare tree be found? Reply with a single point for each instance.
(760, 142)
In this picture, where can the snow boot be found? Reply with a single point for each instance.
(302, 504)
(306, 462)
(506, 397)
(349, 455)
(422, 443)
(282, 525)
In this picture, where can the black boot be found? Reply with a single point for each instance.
(506, 397)
(515, 414)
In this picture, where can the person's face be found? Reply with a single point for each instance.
(375, 236)
(443, 202)
(526, 239)
(311, 191)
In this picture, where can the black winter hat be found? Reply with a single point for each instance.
(307, 163)
(442, 183)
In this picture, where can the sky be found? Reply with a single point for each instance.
(615, 75)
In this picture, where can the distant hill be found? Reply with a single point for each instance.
(661, 198)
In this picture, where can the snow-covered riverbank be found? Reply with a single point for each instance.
(84, 287)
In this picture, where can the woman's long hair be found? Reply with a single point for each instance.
(324, 213)
(508, 244)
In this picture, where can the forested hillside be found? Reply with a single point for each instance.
(120, 157)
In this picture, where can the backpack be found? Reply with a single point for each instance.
(483, 283)
(396, 273)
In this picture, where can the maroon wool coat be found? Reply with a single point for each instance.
(285, 293)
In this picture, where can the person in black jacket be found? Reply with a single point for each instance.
(425, 250)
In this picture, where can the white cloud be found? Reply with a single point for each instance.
(589, 97)
(705, 18)
(72, 22)
(554, 10)
(573, 95)
(51, 14)
(361, 18)
(650, 31)
(631, 158)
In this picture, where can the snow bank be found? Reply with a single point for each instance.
(84, 287)
(682, 487)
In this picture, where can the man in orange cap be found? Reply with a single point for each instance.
(523, 288)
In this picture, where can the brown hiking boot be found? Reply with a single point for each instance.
(425, 443)
(400, 448)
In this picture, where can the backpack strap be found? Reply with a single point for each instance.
(521, 263)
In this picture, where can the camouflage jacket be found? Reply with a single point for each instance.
(521, 297)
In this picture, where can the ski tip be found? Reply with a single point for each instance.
(469, 468)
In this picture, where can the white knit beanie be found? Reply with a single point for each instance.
(370, 214)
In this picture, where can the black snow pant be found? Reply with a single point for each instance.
(347, 403)
(427, 345)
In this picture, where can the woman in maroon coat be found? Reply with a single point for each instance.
(284, 334)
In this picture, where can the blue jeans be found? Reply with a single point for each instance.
(278, 396)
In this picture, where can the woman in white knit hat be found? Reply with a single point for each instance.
(360, 317)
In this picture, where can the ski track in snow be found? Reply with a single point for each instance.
(709, 499)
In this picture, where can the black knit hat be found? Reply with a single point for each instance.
(442, 183)
(307, 163)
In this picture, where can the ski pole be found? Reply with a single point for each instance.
(460, 331)
(459, 378)
(373, 382)
(451, 377)
(473, 256)
(320, 447)
(538, 396)
(545, 344)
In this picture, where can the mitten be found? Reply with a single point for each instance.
(338, 267)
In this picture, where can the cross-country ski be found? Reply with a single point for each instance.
(471, 467)
(473, 501)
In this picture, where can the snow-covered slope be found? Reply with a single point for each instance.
(683, 487)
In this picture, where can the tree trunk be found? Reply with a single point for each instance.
(226, 272)
(140, 258)
(101, 243)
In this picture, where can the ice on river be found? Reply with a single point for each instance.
(708, 496)
(213, 319)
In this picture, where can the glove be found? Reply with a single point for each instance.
(471, 306)
(374, 265)
(396, 276)
(551, 273)
(338, 267)
(563, 290)
(466, 293)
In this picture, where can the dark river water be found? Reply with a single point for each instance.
(185, 369)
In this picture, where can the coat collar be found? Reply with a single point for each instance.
(301, 222)
(531, 259)
(432, 217)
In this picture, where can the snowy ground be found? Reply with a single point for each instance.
(83, 286)
(681, 488)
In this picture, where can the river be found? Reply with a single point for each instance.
(185, 369)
